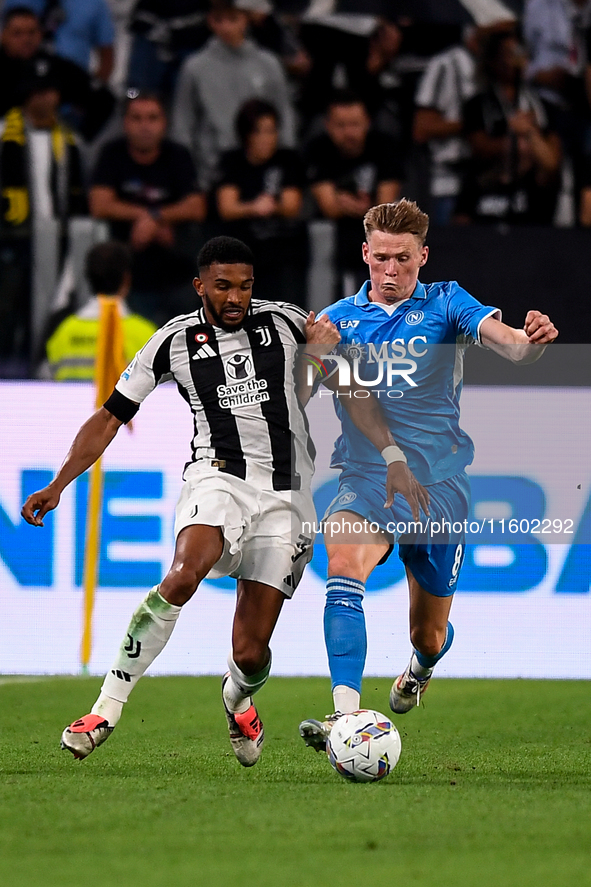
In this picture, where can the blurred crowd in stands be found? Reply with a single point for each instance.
(159, 123)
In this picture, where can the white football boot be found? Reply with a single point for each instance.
(406, 691)
(247, 733)
(85, 734)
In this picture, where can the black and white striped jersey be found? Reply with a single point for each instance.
(240, 387)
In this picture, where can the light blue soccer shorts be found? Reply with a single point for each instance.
(433, 552)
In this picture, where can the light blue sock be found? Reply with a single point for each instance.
(431, 661)
(344, 631)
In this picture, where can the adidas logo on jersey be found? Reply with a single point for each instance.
(204, 351)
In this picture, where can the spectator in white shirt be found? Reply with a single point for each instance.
(448, 82)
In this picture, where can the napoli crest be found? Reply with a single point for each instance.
(414, 317)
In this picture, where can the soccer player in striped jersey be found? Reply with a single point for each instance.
(246, 486)
(409, 339)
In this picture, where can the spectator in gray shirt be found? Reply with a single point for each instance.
(217, 80)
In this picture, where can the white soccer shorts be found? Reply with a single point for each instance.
(268, 535)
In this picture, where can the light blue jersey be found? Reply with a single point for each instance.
(418, 349)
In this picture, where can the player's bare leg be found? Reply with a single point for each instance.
(257, 609)
(197, 550)
(431, 635)
(351, 559)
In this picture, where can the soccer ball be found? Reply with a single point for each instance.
(364, 746)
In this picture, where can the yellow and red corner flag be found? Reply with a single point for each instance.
(110, 363)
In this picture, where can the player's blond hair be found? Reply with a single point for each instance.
(402, 217)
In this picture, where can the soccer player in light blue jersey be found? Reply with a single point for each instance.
(408, 338)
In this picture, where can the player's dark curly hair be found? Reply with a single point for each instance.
(224, 251)
(106, 265)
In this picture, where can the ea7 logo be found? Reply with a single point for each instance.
(348, 324)
(265, 335)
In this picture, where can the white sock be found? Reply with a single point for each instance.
(235, 700)
(148, 633)
(240, 687)
(109, 709)
(419, 670)
(346, 699)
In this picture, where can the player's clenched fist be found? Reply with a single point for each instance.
(539, 328)
(321, 331)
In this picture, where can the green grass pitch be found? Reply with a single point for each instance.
(492, 790)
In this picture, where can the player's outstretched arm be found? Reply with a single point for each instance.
(89, 444)
(519, 346)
